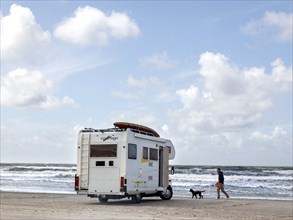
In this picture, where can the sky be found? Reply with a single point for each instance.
(214, 77)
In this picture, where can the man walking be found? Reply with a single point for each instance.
(220, 184)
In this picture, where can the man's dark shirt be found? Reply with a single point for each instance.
(221, 177)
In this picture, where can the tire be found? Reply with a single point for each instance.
(168, 194)
(136, 198)
(103, 199)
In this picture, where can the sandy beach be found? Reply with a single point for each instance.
(63, 206)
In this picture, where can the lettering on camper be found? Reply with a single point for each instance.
(112, 138)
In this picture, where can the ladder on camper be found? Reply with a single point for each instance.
(84, 160)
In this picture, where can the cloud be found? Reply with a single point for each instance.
(225, 114)
(188, 96)
(46, 143)
(56, 102)
(230, 98)
(143, 82)
(24, 88)
(278, 139)
(220, 75)
(281, 76)
(91, 26)
(275, 25)
(139, 85)
(160, 61)
(275, 145)
(21, 36)
(146, 86)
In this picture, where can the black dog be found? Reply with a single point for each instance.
(195, 193)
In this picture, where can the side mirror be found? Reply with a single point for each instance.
(172, 171)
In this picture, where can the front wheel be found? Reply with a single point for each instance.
(168, 194)
(103, 199)
(136, 198)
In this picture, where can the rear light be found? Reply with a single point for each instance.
(121, 182)
(76, 182)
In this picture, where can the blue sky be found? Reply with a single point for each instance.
(215, 77)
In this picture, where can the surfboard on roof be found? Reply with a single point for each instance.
(125, 125)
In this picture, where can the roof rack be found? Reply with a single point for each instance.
(117, 129)
(101, 130)
(142, 132)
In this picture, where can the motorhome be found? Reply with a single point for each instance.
(126, 161)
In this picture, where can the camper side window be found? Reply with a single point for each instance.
(132, 151)
(153, 154)
(145, 153)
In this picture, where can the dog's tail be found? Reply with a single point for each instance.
(202, 191)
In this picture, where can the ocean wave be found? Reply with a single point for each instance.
(240, 182)
(64, 176)
(37, 169)
(236, 170)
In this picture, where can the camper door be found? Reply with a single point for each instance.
(164, 166)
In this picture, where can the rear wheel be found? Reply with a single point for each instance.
(103, 199)
(136, 198)
(168, 194)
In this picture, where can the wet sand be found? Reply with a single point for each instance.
(63, 206)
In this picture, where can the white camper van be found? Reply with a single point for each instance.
(129, 160)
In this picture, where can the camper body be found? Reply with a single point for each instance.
(123, 162)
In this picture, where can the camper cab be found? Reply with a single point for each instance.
(127, 161)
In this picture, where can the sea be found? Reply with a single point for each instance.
(241, 182)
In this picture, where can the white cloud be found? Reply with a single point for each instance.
(253, 147)
(225, 114)
(230, 98)
(221, 76)
(143, 82)
(21, 36)
(160, 61)
(275, 25)
(45, 143)
(281, 75)
(278, 139)
(23, 88)
(188, 96)
(55, 102)
(90, 26)
(146, 86)
(165, 128)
